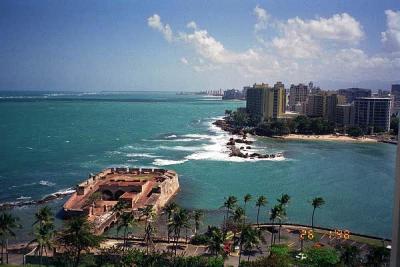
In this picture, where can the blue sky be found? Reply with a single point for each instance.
(148, 45)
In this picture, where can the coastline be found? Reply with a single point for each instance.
(326, 137)
(225, 126)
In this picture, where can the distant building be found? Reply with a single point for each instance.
(266, 102)
(315, 105)
(372, 113)
(344, 115)
(352, 93)
(323, 104)
(297, 94)
(244, 91)
(232, 94)
(395, 93)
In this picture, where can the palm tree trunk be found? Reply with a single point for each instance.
(312, 219)
(279, 234)
(2, 251)
(78, 257)
(258, 213)
(7, 250)
(272, 234)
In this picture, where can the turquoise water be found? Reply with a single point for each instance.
(49, 142)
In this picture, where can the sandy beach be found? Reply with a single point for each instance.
(328, 137)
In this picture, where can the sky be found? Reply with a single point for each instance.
(197, 45)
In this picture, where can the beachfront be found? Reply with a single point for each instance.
(327, 137)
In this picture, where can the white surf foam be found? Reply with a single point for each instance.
(23, 198)
(141, 155)
(164, 162)
(46, 183)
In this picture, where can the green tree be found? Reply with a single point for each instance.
(126, 221)
(250, 238)
(149, 228)
(44, 216)
(261, 202)
(354, 131)
(43, 231)
(316, 203)
(246, 199)
(229, 204)
(78, 236)
(284, 199)
(169, 209)
(215, 241)
(7, 225)
(378, 256)
(240, 118)
(179, 220)
(349, 255)
(323, 256)
(197, 216)
(394, 125)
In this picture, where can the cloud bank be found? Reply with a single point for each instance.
(323, 48)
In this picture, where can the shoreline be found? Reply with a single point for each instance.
(326, 137)
(225, 126)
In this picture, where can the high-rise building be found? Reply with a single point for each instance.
(344, 115)
(352, 93)
(315, 105)
(297, 94)
(323, 104)
(266, 102)
(372, 113)
(395, 93)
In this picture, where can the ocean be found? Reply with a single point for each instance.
(49, 141)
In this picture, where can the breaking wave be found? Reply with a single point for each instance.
(46, 183)
(164, 162)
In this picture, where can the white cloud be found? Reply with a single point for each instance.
(301, 50)
(303, 38)
(192, 25)
(184, 61)
(391, 37)
(262, 18)
(155, 23)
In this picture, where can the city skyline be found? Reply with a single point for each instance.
(94, 46)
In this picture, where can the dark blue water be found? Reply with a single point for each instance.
(51, 141)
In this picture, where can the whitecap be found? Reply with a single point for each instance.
(164, 162)
(171, 136)
(141, 155)
(180, 148)
(23, 198)
(46, 183)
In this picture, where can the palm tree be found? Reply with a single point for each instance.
(229, 204)
(148, 213)
(197, 216)
(78, 236)
(261, 202)
(44, 238)
(250, 237)
(246, 199)
(44, 230)
(280, 215)
(284, 200)
(215, 241)
(7, 223)
(273, 216)
(169, 209)
(119, 207)
(126, 222)
(238, 219)
(316, 203)
(44, 216)
(179, 220)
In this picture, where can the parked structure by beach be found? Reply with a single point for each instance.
(137, 188)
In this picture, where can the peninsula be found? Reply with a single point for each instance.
(137, 188)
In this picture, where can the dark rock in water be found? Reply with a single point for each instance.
(242, 147)
(255, 155)
(248, 147)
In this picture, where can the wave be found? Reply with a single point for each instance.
(46, 183)
(65, 191)
(23, 198)
(180, 148)
(141, 155)
(164, 162)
